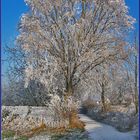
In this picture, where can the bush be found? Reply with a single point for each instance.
(62, 109)
(5, 113)
(89, 104)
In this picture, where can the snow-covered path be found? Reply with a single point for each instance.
(100, 131)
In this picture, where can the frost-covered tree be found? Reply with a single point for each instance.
(103, 84)
(16, 93)
(133, 70)
(121, 88)
(66, 39)
(136, 73)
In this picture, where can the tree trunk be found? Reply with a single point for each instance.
(136, 74)
(103, 99)
(69, 88)
(83, 8)
(120, 98)
(136, 89)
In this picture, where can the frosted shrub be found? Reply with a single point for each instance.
(60, 109)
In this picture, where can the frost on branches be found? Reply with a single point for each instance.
(65, 40)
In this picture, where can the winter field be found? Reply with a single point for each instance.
(22, 119)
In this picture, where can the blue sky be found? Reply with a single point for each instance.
(11, 13)
(13, 9)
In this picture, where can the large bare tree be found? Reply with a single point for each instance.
(66, 39)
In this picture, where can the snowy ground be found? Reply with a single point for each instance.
(100, 131)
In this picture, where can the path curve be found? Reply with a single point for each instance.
(100, 131)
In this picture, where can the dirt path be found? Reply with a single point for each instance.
(100, 131)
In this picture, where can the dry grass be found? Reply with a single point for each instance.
(75, 122)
